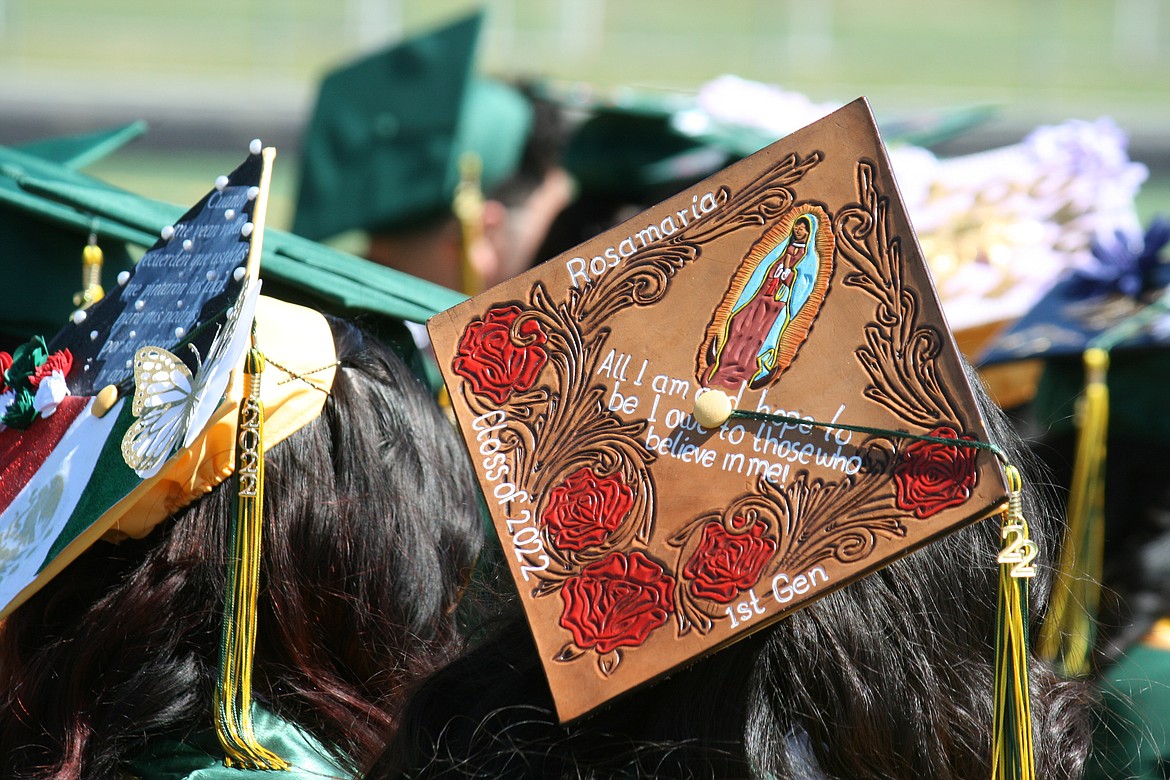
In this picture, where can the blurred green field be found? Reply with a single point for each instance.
(1044, 59)
(197, 64)
(186, 178)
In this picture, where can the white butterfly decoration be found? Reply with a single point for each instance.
(171, 405)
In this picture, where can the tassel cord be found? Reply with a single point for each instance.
(234, 725)
(1069, 631)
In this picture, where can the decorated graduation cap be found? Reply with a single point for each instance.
(1124, 276)
(51, 271)
(716, 412)
(1101, 335)
(395, 133)
(152, 396)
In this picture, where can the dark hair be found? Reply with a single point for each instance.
(371, 527)
(890, 677)
(543, 149)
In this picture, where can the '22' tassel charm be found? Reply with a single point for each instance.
(1013, 757)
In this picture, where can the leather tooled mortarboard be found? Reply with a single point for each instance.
(641, 532)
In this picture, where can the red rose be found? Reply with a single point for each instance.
(726, 563)
(493, 362)
(59, 361)
(585, 509)
(616, 602)
(5, 364)
(932, 476)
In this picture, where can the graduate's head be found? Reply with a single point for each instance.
(183, 447)
(652, 526)
(454, 177)
(370, 531)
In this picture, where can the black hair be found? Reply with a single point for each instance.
(543, 148)
(371, 528)
(890, 677)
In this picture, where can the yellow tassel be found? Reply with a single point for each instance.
(233, 702)
(468, 208)
(1013, 757)
(91, 275)
(1069, 630)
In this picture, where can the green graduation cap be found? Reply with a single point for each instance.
(48, 270)
(639, 156)
(385, 145)
(48, 210)
(79, 151)
(335, 281)
(638, 146)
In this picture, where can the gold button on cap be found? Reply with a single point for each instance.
(105, 400)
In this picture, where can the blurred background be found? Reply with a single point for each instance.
(208, 76)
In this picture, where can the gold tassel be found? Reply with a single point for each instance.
(468, 208)
(233, 703)
(91, 275)
(1069, 631)
(1013, 757)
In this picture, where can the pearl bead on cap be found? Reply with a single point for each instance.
(712, 409)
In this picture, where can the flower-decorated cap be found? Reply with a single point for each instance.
(707, 417)
(110, 423)
(148, 399)
(34, 299)
(1125, 273)
(64, 475)
(1118, 301)
(1000, 227)
(383, 149)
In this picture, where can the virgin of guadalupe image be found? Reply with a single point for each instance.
(770, 305)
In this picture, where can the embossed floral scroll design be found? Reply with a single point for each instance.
(727, 556)
(614, 603)
(901, 354)
(582, 468)
(733, 555)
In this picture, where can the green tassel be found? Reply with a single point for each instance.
(1069, 630)
(233, 696)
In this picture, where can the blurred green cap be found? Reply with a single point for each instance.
(42, 260)
(636, 146)
(48, 210)
(638, 157)
(642, 145)
(383, 148)
(1120, 304)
